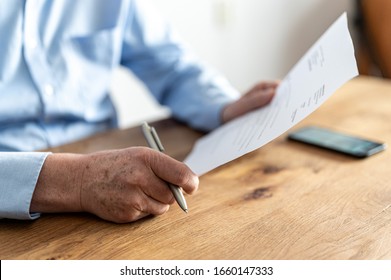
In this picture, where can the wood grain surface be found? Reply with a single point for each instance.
(285, 200)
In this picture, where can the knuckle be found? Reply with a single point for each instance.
(139, 205)
(121, 219)
(126, 215)
(139, 154)
(129, 210)
(162, 210)
(171, 200)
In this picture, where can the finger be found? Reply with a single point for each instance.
(159, 190)
(265, 85)
(256, 100)
(153, 207)
(174, 172)
(141, 206)
(139, 215)
(260, 98)
(260, 95)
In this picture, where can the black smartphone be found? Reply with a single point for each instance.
(336, 141)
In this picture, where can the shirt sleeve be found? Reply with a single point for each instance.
(194, 91)
(19, 172)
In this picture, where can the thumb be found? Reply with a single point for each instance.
(173, 171)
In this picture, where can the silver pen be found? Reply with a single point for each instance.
(153, 140)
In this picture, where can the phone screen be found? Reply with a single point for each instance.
(336, 141)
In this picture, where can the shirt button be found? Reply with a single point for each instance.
(48, 90)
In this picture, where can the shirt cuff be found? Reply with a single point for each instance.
(204, 111)
(211, 117)
(19, 172)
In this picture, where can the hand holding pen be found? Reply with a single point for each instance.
(154, 142)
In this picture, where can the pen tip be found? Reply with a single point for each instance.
(187, 211)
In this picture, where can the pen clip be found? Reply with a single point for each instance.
(157, 139)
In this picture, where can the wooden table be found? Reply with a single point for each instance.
(283, 201)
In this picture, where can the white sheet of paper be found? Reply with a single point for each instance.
(326, 66)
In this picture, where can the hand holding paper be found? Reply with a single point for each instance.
(327, 65)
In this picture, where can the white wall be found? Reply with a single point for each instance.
(247, 40)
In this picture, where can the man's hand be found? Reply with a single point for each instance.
(260, 95)
(119, 186)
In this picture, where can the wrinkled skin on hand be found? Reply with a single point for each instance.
(120, 185)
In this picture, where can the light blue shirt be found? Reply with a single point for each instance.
(56, 63)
